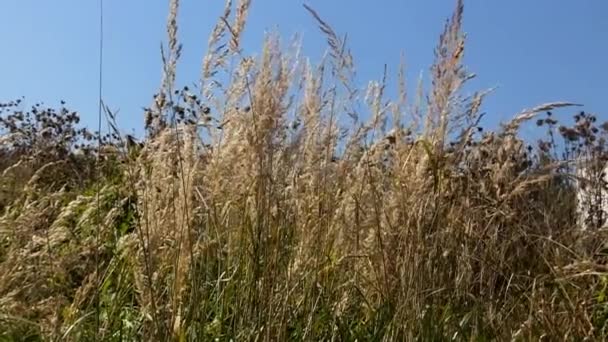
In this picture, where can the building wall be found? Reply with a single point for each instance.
(592, 195)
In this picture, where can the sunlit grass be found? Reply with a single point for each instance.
(285, 204)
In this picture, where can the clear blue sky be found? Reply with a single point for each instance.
(534, 50)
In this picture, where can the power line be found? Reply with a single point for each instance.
(99, 114)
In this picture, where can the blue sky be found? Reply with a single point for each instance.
(533, 51)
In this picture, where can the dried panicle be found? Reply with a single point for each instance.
(375, 100)
(399, 106)
(216, 51)
(529, 114)
(172, 25)
(333, 41)
(242, 9)
(448, 77)
(342, 60)
(156, 121)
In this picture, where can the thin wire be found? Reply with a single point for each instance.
(99, 114)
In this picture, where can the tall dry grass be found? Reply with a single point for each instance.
(261, 207)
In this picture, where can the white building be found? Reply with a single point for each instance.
(592, 194)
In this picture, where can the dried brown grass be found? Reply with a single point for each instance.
(253, 212)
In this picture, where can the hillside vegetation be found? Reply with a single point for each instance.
(276, 201)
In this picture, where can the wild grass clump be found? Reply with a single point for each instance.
(260, 206)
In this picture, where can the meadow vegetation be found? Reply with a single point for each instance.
(276, 201)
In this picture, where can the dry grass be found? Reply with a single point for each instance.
(263, 209)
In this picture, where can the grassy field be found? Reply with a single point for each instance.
(285, 204)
